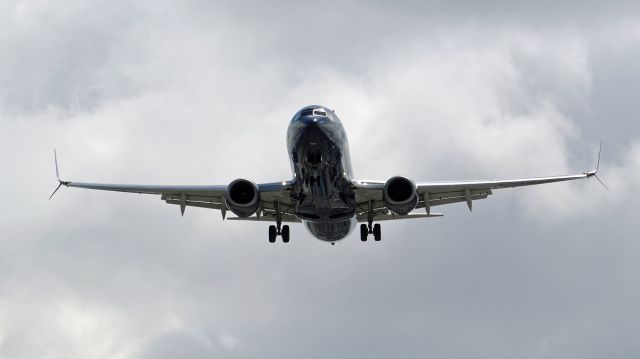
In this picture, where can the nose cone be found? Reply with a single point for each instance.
(313, 121)
(315, 112)
(312, 118)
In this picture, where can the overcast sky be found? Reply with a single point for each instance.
(201, 92)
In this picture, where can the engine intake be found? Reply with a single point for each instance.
(242, 197)
(400, 195)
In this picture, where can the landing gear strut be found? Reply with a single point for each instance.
(278, 229)
(370, 228)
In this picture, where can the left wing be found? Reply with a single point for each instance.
(369, 194)
(432, 194)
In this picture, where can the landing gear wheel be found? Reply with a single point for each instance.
(285, 234)
(377, 232)
(272, 234)
(364, 232)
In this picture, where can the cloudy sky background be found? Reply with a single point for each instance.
(200, 92)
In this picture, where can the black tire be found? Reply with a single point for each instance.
(377, 232)
(364, 232)
(285, 234)
(272, 234)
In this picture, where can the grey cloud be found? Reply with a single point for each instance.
(178, 345)
(68, 57)
(201, 92)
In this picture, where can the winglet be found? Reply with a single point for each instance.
(598, 163)
(60, 182)
(55, 159)
(594, 173)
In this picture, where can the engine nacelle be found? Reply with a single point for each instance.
(242, 198)
(400, 195)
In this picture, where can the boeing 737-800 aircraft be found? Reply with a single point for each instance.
(323, 193)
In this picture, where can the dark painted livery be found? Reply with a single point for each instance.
(321, 189)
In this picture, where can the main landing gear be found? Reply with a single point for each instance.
(370, 228)
(365, 230)
(278, 230)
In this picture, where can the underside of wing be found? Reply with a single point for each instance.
(440, 193)
(392, 216)
(268, 216)
(274, 197)
(370, 195)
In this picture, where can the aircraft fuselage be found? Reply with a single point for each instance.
(321, 189)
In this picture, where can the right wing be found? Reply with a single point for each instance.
(202, 196)
(276, 194)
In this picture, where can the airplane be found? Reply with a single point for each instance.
(323, 193)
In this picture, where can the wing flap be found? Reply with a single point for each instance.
(392, 216)
(192, 198)
(450, 200)
(456, 194)
(211, 205)
(286, 218)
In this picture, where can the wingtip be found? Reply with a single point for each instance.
(601, 182)
(55, 160)
(599, 153)
(60, 183)
(597, 168)
(594, 173)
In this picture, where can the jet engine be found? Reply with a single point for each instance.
(242, 198)
(400, 195)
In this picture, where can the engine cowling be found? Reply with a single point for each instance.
(242, 197)
(400, 195)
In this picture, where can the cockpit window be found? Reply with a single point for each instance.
(312, 112)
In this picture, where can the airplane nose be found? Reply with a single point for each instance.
(310, 121)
